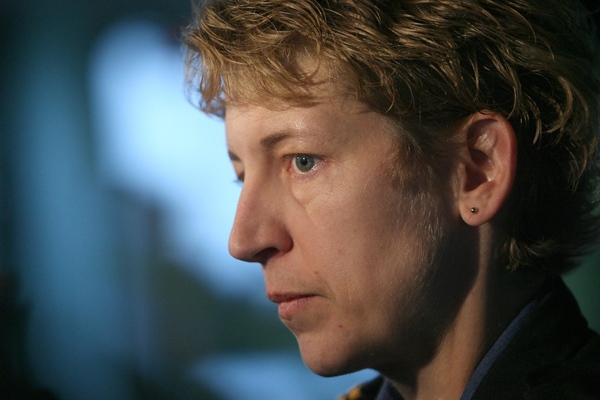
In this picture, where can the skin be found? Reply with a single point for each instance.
(347, 253)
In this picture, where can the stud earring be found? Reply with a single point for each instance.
(474, 210)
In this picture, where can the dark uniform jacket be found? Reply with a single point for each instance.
(554, 355)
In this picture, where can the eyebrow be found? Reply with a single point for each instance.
(270, 141)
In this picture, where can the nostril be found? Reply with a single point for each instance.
(264, 255)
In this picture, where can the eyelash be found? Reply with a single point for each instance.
(239, 179)
(289, 159)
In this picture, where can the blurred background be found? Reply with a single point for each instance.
(116, 198)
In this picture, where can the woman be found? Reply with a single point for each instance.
(417, 175)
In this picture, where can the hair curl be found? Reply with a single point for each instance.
(428, 65)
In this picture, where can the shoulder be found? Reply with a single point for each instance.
(553, 356)
(576, 376)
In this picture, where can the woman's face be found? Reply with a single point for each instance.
(347, 252)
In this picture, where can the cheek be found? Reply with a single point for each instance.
(364, 245)
(323, 193)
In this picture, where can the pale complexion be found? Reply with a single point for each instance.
(346, 252)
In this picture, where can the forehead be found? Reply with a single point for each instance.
(324, 116)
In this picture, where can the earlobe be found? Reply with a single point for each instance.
(486, 167)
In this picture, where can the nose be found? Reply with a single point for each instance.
(259, 232)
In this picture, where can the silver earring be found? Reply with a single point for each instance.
(474, 210)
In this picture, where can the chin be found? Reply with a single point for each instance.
(328, 369)
(329, 358)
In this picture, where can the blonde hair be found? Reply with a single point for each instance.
(427, 65)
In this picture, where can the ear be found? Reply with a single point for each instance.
(486, 168)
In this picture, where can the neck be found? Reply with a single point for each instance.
(491, 304)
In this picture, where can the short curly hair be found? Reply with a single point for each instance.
(428, 65)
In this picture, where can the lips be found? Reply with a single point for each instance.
(290, 304)
(279, 298)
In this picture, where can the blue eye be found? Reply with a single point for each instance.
(304, 163)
